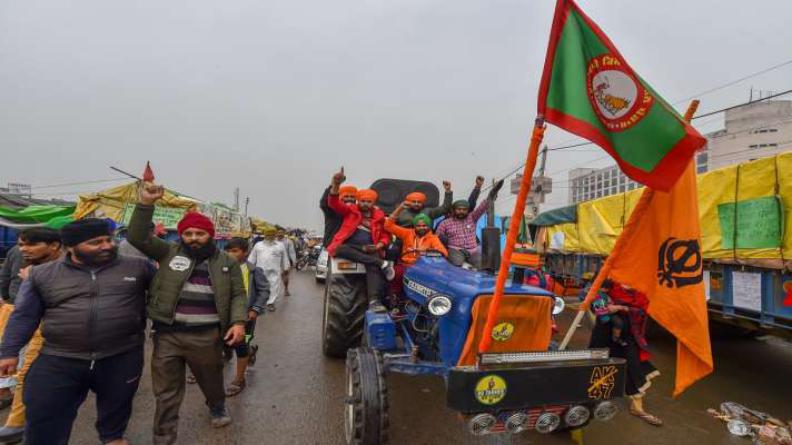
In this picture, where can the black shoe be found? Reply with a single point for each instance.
(377, 307)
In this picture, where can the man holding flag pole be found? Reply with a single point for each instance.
(590, 90)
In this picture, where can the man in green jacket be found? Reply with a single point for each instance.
(196, 302)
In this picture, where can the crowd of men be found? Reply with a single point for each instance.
(76, 311)
(357, 230)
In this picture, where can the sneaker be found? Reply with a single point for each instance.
(388, 270)
(11, 434)
(377, 307)
(271, 307)
(220, 417)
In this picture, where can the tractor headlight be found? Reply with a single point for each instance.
(439, 305)
(558, 306)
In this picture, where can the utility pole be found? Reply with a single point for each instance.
(247, 201)
(543, 162)
(236, 199)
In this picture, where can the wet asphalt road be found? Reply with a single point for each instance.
(295, 395)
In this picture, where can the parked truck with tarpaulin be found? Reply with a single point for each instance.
(746, 241)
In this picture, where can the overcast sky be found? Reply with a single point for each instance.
(272, 96)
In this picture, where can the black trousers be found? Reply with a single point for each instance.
(55, 388)
(375, 281)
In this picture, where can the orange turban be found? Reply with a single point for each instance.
(367, 195)
(416, 196)
(347, 190)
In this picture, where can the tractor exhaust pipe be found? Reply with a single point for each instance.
(490, 242)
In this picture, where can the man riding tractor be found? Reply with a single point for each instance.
(362, 238)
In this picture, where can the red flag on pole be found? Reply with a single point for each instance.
(148, 173)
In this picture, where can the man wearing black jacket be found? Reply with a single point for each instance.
(82, 349)
(332, 219)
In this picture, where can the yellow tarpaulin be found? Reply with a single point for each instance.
(755, 185)
(111, 203)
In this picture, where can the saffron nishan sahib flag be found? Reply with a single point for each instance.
(664, 261)
(590, 90)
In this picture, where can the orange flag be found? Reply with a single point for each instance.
(664, 261)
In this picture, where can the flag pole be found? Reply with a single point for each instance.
(621, 242)
(514, 228)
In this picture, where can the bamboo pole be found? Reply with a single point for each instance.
(514, 228)
(621, 242)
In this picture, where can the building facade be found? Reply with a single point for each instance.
(750, 132)
(590, 183)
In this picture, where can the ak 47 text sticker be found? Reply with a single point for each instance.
(603, 380)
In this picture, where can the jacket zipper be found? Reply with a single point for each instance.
(92, 315)
(214, 289)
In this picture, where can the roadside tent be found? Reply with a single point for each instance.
(119, 202)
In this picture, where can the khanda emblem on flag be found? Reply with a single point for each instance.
(679, 263)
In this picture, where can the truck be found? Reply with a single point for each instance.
(746, 236)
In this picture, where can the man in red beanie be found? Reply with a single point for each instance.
(197, 302)
(362, 238)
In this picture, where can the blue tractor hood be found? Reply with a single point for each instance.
(432, 276)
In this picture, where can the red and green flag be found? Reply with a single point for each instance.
(589, 89)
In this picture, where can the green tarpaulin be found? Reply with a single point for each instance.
(35, 214)
(557, 216)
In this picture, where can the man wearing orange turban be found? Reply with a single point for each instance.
(416, 202)
(362, 238)
(332, 219)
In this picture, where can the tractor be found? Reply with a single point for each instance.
(520, 384)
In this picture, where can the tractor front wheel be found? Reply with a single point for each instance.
(366, 410)
(344, 314)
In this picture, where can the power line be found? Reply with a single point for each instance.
(712, 90)
(734, 82)
(772, 96)
(516, 169)
(65, 184)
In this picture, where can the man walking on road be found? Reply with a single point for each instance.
(291, 255)
(38, 245)
(257, 287)
(197, 301)
(9, 287)
(270, 257)
(90, 306)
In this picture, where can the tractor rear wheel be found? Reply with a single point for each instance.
(366, 411)
(344, 314)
